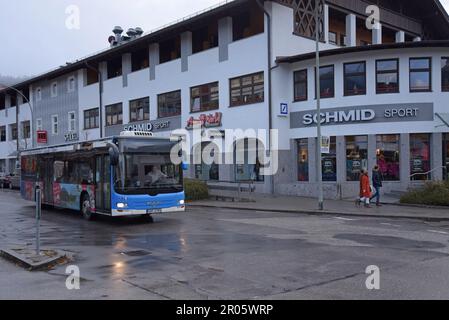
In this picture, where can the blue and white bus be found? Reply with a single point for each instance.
(128, 175)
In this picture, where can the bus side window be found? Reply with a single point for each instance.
(58, 171)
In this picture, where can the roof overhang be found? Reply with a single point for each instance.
(377, 47)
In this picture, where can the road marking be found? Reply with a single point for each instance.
(436, 231)
(344, 219)
(391, 225)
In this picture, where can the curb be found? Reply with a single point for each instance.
(30, 265)
(327, 213)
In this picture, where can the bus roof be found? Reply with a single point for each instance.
(89, 144)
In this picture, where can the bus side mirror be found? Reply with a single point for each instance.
(184, 166)
(114, 155)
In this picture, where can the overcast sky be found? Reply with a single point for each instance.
(35, 37)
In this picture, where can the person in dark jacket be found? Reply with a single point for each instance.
(377, 184)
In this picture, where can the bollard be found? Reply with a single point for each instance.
(38, 219)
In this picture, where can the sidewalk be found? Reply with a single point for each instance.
(332, 207)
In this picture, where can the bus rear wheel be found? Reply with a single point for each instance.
(85, 208)
(147, 218)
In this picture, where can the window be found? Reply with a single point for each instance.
(327, 84)
(26, 130)
(446, 155)
(139, 110)
(170, 49)
(205, 38)
(91, 75)
(72, 121)
(140, 60)
(420, 74)
(445, 74)
(247, 24)
(248, 155)
(420, 156)
(205, 171)
(39, 124)
(54, 89)
(387, 73)
(329, 162)
(169, 104)
(204, 98)
(13, 100)
(356, 156)
(114, 114)
(2, 133)
(91, 119)
(332, 38)
(343, 40)
(13, 131)
(388, 156)
(303, 160)
(71, 85)
(2, 102)
(115, 67)
(300, 85)
(355, 78)
(247, 89)
(54, 125)
(38, 94)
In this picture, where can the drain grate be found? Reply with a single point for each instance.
(137, 253)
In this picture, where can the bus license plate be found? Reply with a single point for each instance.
(154, 211)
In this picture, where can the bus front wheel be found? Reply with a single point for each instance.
(85, 208)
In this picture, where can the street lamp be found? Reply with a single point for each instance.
(318, 106)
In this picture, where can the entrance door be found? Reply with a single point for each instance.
(103, 183)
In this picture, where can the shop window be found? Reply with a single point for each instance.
(356, 156)
(388, 157)
(355, 78)
(446, 155)
(115, 67)
(327, 82)
(329, 162)
(26, 130)
(91, 119)
(140, 60)
(203, 171)
(303, 160)
(300, 85)
(2, 133)
(248, 163)
(247, 89)
(114, 114)
(420, 75)
(205, 38)
(247, 24)
(445, 74)
(170, 49)
(387, 73)
(420, 156)
(204, 97)
(139, 110)
(169, 104)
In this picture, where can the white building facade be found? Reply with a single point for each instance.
(384, 92)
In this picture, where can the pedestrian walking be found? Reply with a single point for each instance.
(377, 184)
(365, 189)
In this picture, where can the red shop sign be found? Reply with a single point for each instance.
(42, 136)
(206, 121)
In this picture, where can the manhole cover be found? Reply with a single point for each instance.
(137, 253)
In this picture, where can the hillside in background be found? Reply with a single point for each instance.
(10, 80)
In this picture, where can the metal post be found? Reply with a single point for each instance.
(318, 107)
(38, 219)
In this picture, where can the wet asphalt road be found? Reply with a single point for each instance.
(228, 254)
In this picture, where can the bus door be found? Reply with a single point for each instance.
(48, 180)
(103, 183)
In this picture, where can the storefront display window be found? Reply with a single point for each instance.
(247, 163)
(356, 156)
(203, 171)
(388, 157)
(329, 162)
(419, 156)
(303, 160)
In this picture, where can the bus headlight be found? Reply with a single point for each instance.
(181, 202)
(121, 205)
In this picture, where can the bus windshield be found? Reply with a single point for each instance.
(147, 169)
